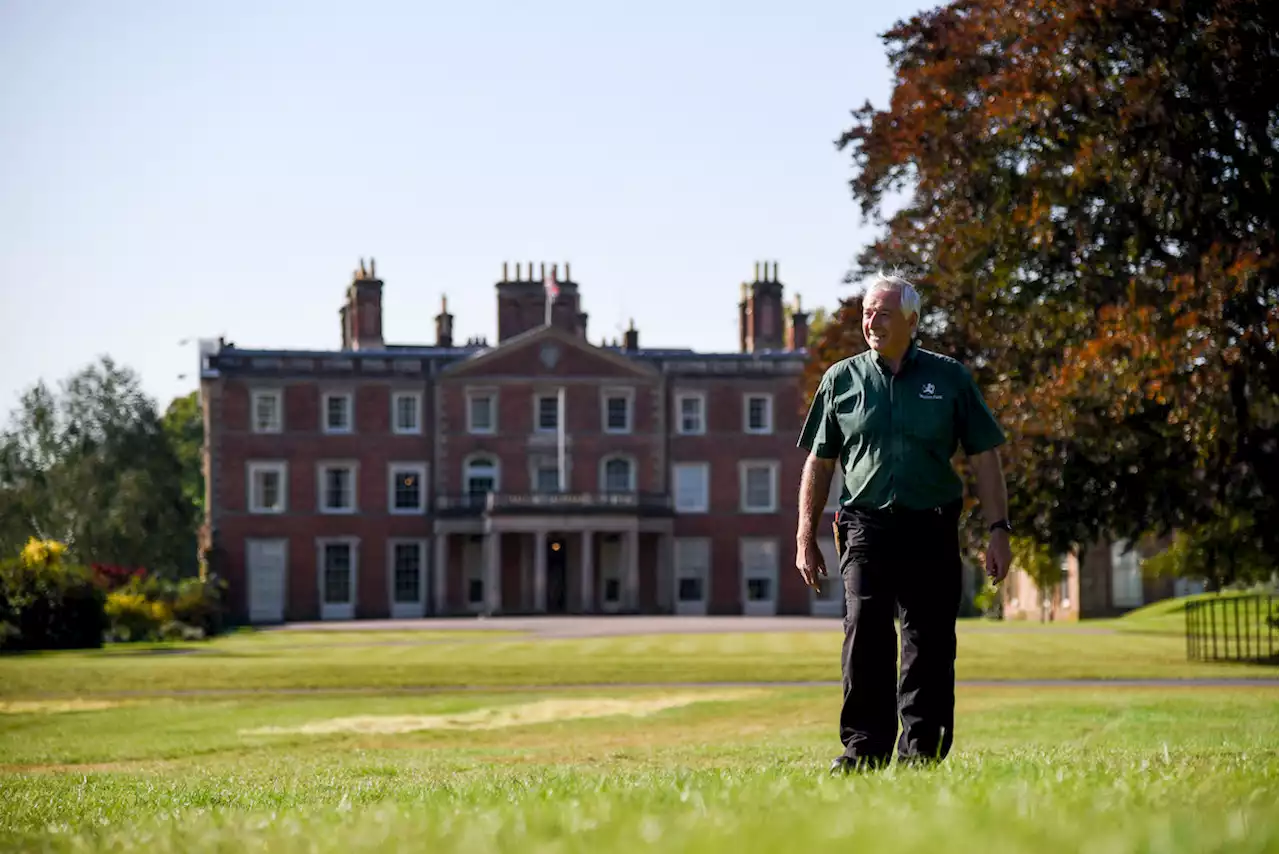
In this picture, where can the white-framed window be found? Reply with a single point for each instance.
(546, 478)
(757, 413)
(337, 561)
(1126, 575)
(268, 486)
(1064, 584)
(480, 475)
(617, 474)
(338, 491)
(482, 411)
(266, 410)
(617, 409)
(407, 577)
(406, 413)
(691, 483)
(546, 412)
(692, 560)
(830, 602)
(691, 413)
(759, 559)
(758, 481)
(337, 412)
(406, 488)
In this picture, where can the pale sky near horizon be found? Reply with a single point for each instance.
(172, 171)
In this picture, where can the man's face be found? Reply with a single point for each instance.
(886, 330)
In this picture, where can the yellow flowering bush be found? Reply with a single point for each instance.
(43, 552)
(133, 616)
(47, 602)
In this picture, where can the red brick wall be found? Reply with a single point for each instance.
(373, 445)
(587, 445)
(723, 446)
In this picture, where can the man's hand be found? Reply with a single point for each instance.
(999, 555)
(811, 563)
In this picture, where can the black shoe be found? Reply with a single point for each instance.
(843, 765)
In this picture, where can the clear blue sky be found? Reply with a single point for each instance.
(170, 170)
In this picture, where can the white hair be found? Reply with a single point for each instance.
(908, 296)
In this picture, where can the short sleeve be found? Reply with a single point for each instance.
(820, 434)
(978, 429)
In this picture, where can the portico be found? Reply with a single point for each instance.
(533, 560)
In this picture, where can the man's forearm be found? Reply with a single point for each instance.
(992, 491)
(815, 483)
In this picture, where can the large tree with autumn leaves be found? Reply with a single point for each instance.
(1086, 191)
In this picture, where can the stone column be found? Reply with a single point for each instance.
(631, 571)
(439, 574)
(493, 572)
(540, 572)
(588, 573)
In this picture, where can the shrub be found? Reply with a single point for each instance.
(111, 577)
(987, 601)
(197, 604)
(48, 604)
(134, 617)
(154, 608)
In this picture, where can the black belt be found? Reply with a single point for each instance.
(893, 510)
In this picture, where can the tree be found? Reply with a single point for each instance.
(1090, 208)
(93, 468)
(183, 427)
(830, 340)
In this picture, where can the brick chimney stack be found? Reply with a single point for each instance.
(763, 320)
(522, 300)
(444, 324)
(631, 338)
(798, 328)
(362, 315)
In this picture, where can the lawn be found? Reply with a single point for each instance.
(596, 767)
(457, 658)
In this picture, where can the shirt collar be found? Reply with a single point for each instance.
(907, 358)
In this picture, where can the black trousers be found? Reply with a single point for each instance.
(903, 563)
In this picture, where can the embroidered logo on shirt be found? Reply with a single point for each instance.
(928, 392)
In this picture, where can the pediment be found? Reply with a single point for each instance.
(549, 352)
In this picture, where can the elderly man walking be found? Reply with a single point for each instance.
(891, 418)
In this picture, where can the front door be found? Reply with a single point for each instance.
(611, 573)
(557, 575)
(265, 562)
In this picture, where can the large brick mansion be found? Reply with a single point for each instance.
(539, 474)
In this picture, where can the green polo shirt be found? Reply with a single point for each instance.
(895, 434)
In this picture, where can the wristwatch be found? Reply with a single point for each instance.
(1003, 523)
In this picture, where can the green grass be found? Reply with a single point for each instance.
(87, 766)
(1058, 770)
(270, 661)
(1169, 616)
